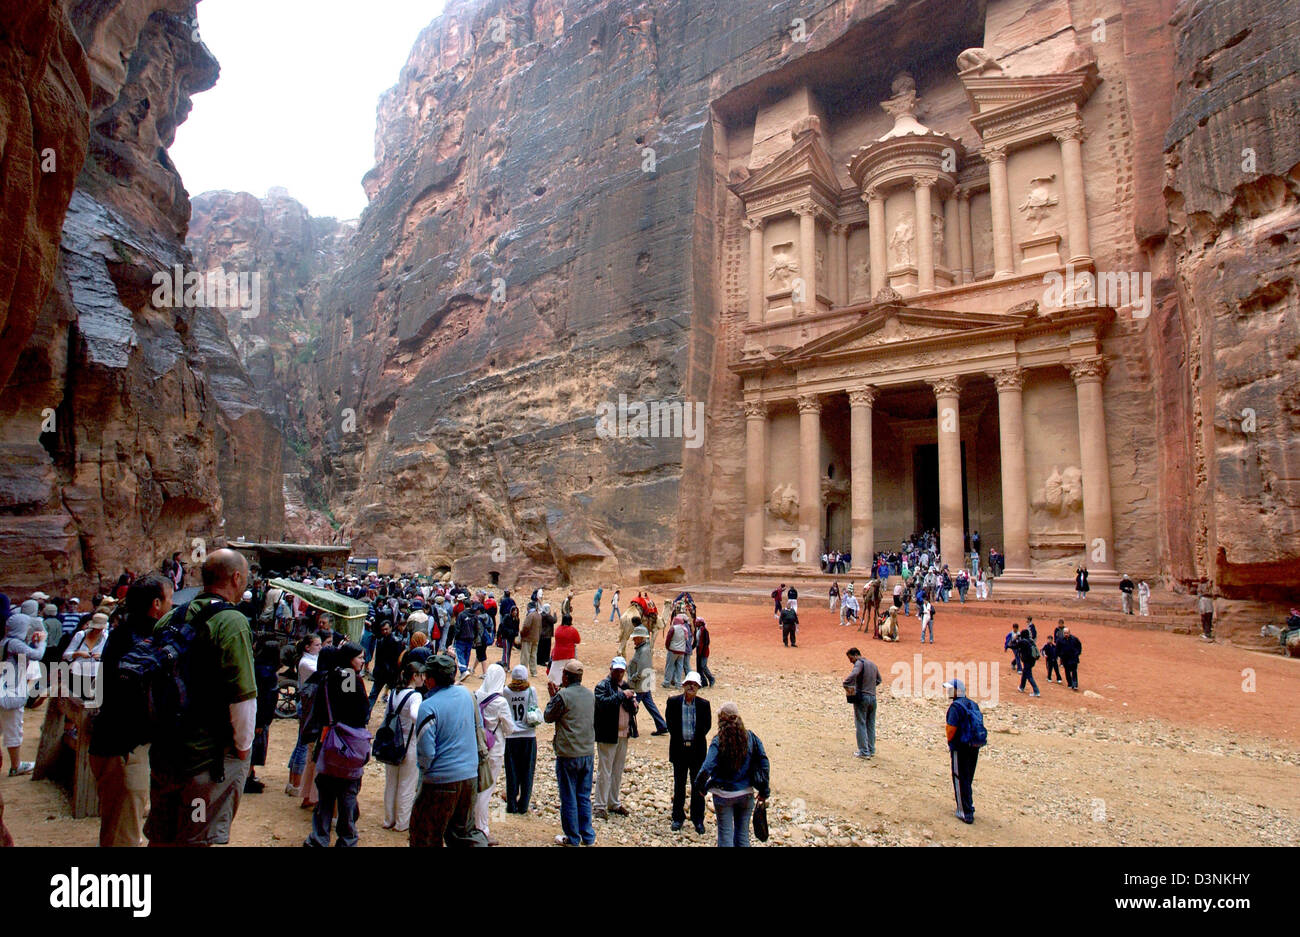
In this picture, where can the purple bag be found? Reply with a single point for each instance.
(345, 749)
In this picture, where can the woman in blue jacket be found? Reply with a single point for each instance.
(736, 769)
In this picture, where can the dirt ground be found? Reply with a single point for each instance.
(1171, 741)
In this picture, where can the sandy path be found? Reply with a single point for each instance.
(1170, 744)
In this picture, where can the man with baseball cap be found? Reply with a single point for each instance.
(572, 710)
(690, 719)
(966, 734)
(615, 722)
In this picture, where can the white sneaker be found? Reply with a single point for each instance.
(24, 767)
(291, 790)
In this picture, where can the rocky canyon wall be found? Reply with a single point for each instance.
(130, 428)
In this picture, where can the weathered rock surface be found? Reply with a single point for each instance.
(130, 430)
(291, 252)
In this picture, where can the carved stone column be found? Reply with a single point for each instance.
(1004, 264)
(807, 213)
(876, 233)
(922, 186)
(840, 251)
(755, 479)
(964, 236)
(757, 288)
(1098, 524)
(810, 482)
(952, 532)
(951, 245)
(1015, 492)
(861, 511)
(1076, 208)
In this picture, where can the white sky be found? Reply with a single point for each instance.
(295, 103)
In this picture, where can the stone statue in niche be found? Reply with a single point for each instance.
(936, 227)
(860, 277)
(1039, 202)
(821, 267)
(900, 242)
(784, 267)
(784, 503)
(1060, 500)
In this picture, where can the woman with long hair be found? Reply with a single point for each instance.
(400, 780)
(309, 649)
(342, 701)
(736, 769)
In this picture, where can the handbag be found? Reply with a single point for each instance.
(345, 750)
(760, 822)
(850, 695)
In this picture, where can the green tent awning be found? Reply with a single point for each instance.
(349, 613)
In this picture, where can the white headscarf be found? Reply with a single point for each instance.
(494, 682)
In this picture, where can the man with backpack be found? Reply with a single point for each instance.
(200, 752)
(966, 735)
(1028, 653)
(466, 634)
(789, 620)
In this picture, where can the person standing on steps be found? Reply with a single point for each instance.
(966, 735)
(1144, 598)
(690, 719)
(1080, 582)
(778, 597)
(1205, 605)
(1068, 649)
(641, 677)
(1126, 588)
(860, 685)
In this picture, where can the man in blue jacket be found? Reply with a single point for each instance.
(966, 734)
(447, 753)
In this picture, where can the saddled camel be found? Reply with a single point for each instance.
(871, 594)
(887, 625)
(629, 620)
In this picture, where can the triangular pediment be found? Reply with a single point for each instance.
(994, 98)
(806, 162)
(900, 325)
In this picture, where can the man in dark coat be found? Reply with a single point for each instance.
(1068, 649)
(690, 719)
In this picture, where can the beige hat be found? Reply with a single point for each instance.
(40, 597)
(573, 666)
(97, 621)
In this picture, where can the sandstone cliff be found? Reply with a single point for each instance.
(129, 430)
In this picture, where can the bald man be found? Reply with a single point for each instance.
(197, 772)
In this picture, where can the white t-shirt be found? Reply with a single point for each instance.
(306, 667)
(520, 701)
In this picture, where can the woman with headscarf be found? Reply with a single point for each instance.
(736, 769)
(497, 724)
(342, 701)
(15, 648)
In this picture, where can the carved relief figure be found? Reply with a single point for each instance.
(860, 277)
(1059, 503)
(784, 503)
(821, 267)
(978, 58)
(1039, 202)
(900, 242)
(784, 267)
(936, 227)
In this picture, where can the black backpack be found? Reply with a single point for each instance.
(390, 744)
(153, 677)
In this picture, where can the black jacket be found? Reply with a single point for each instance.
(1069, 648)
(609, 700)
(703, 726)
(1024, 646)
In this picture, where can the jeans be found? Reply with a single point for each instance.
(646, 700)
(733, 820)
(674, 669)
(298, 760)
(1027, 673)
(1126, 602)
(505, 655)
(963, 759)
(573, 777)
(521, 763)
(702, 667)
(961, 590)
(374, 695)
(927, 627)
(368, 644)
(864, 717)
(337, 795)
(613, 612)
(462, 654)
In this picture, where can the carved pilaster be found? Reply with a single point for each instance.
(755, 409)
(945, 386)
(1008, 379)
(863, 396)
(1087, 370)
(809, 403)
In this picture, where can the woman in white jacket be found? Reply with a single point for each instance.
(400, 780)
(497, 721)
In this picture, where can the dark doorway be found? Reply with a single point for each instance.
(925, 488)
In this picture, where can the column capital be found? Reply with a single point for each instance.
(839, 227)
(807, 208)
(1072, 132)
(872, 193)
(755, 409)
(962, 193)
(809, 403)
(864, 396)
(752, 224)
(994, 153)
(945, 386)
(924, 180)
(1087, 370)
(1008, 379)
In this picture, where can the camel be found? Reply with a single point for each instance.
(871, 600)
(629, 620)
(1288, 639)
(887, 625)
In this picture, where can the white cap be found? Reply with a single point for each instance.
(693, 677)
(618, 663)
